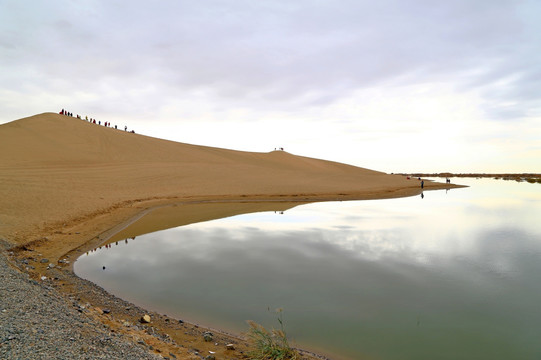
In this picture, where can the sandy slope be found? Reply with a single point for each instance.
(55, 168)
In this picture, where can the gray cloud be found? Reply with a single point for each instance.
(270, 53)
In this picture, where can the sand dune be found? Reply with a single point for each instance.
(67, 186)
(57, 169)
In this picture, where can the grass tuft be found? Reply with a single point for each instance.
(270, 345)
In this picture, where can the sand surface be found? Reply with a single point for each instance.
(67, 184)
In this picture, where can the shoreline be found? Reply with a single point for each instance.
(179, 338)
(39, 322)
(122, 317)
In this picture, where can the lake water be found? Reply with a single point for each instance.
(453, 275)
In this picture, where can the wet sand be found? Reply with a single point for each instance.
(67, 185)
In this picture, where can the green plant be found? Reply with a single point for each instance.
(270, 345)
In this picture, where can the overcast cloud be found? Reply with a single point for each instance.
(391, 85)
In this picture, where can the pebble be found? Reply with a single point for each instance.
(208, 336)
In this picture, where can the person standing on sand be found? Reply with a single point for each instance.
(422, 184)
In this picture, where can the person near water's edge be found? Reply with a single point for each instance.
(422, 184)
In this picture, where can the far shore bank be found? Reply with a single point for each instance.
(529, 177)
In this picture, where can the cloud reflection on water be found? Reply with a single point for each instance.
(450, 274)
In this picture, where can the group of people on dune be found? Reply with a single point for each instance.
(92, 121)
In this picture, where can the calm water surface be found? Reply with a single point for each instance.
(453, 275)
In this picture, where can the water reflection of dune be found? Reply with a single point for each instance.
(172, 216)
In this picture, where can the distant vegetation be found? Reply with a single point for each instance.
(528, 177)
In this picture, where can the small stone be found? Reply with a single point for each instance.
(43, 278)
(44, 261)
(106, 311)
(210, 357)
(145, 319)
(208, 336)
(230, 347)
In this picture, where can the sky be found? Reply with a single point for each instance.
(389, 85)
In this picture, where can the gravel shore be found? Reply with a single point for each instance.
(47, 312)
(38, 323)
